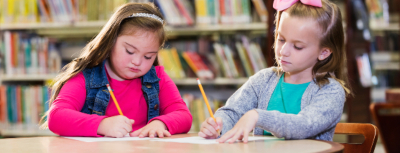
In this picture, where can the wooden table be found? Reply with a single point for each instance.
(61, 145)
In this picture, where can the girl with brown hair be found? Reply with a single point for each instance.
(303, 97)
(123, 55)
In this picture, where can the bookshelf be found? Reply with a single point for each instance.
(79, 29)
(36, 77)
(184, 81)
(10, 132)
(385, 60)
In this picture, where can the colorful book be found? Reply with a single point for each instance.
(245, 59)
(261, 10)
(231, 61)
(219, 51)
(197, 65)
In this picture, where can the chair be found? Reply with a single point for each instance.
(387, 119)
(369, 131)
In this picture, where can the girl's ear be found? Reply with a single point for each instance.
(325, 52)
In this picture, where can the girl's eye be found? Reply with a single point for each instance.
(147, 57)
(281, 40)
(298, 48)
(130, 53)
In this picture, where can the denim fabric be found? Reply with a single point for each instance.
(97, 95)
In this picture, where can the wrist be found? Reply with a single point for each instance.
(160, 123)
(254, 114)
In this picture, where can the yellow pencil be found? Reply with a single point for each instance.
(115, 100)
(206, 100)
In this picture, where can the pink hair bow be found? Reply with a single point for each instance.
(280, 5)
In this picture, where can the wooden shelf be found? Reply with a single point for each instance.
(25, 133)
(386, 66)
(36, 77)
(185, 81)
(217, 81)
(385, 56)
(389, 27)
(79, 29)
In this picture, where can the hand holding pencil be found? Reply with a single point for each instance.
(210, 129)
(116, 126)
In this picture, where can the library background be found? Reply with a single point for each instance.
(222, 42)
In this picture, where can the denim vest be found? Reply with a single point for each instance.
(97, 95)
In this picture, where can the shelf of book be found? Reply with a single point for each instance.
(99, 24)
(216, 81)
(184, 81)
(9, 132)
(385, 56)
(385, 27)
(386, 66)
(93, 27)
(30, 77)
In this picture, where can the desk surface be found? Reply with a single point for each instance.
(61, 145)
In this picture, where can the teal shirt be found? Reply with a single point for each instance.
(286, 98)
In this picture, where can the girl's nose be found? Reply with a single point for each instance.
(136, 60)
(285, 50)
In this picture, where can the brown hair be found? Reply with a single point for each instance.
(99, 48)
(329, 19)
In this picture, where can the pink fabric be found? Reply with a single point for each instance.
(66, 119)
(280, 5)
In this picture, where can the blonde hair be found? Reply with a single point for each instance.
(329, 19)
(98, 49)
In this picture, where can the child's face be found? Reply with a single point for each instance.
(133, 55)
(297, 46)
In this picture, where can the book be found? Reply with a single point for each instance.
(218, 48)
(177, 63)
(197, 65)
(244, 59)
(261, 10)
(183, 6)
(231, 62)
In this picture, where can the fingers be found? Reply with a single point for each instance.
(227, 135)
(219, 122)
(245, 137)
(201, 134)
(144, 133)
(207, 132)
(211, 122)
(160, 134)
(236, 136)
(119, 134)
(209, 128)
(123, 131)
(166, 133)
(127, 127)
(136, 133)
(152, 133)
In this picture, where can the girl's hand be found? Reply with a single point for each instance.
(116, 126)
(154, 128)
(209, 129)
(242, 128)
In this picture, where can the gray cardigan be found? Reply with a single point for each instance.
(321, 108)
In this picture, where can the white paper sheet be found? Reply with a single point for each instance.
(98, 139)
(200, 140)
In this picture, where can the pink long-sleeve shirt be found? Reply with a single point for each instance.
(66, 119)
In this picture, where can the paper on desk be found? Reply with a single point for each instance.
(98, 139)
(200, 140)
